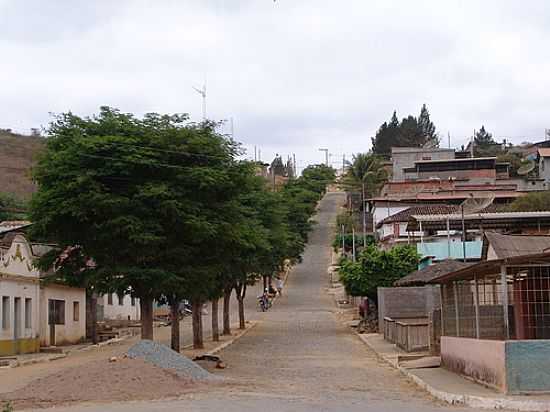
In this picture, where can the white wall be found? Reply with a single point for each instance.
(72, 331)
(381, 211)
(117, 311)
(24, 290)
(20, 280)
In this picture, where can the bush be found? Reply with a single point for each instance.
(376, 268)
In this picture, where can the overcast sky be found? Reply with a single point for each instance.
(295, 75)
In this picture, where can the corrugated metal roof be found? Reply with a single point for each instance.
(429, 273)
(493, 266)
(506, 246)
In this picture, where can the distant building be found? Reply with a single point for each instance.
(112, 306)
(544, 165)
(406, 157)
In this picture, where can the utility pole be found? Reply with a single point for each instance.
(294, 164)
(326, 155)
(343, 164)
(353, 243)
(255, 154)
(364, 216)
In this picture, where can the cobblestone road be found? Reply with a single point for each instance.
(300, 358)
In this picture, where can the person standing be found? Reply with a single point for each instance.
(280, 286)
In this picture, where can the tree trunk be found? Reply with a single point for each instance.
(175, 329)
(241, 293)
(215, 328)
(146, 306)
(197, 320)
(91, 316)
(265, 282)
(226, 307)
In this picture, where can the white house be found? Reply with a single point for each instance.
(31, 313)
(118, 307)
(19, 294)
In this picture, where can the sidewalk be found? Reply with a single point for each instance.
(452, 388)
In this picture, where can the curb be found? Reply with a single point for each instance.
(18, 364)
(231, 341)
(227, 343)
(480, 402)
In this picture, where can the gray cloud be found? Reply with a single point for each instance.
(295, 75)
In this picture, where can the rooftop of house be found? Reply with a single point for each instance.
(506, 246)
(12, 225)
(492, 267)
(429, 210)
(493, 220)
(459, 160)
(404, 215)
(426, 275)
(419, 150)
(544, 151)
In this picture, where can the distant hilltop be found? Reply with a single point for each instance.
(17, 154)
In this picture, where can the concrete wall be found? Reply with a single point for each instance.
(512, 367)
(72, 331)
(403, 158)
(528, 366)
(481, 360)
(407, 302)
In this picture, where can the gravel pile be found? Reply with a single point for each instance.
(165, 358)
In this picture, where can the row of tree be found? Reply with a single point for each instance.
(411, 131)
(162, 209)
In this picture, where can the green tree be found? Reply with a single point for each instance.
(484, 145)
(532, 202)
(366, 170)
(427, 128)
(410, 132)
(137, 195)
(376, 268)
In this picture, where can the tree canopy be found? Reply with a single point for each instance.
(376, 268)
(532, 202)
(164, 209)
(410, 132)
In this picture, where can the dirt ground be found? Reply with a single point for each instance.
(100, 380)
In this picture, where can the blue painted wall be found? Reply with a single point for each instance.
(527, 366)
(440, 250)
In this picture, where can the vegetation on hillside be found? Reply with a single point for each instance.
(532, 202)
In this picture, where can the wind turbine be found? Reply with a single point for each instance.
(202, 92)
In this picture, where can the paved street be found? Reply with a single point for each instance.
(300, 358)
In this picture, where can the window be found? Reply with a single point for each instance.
(133, 301)
(76, 311)
(120, 300)
(28, 313)
(5, 312)
(56, 312)
(110, 299)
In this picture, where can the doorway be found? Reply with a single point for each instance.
(16, 318)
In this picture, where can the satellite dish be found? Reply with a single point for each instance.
(527, 168)
(476, 204)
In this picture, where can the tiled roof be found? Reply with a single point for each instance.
(544, 151)
(429, 273)
(404, 215)
(429, 210)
